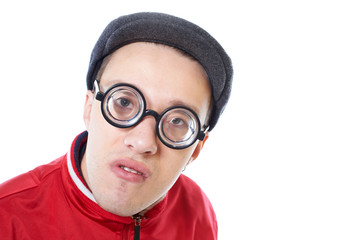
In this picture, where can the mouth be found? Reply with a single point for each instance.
(130, 170)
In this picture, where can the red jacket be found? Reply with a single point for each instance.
(52, 202)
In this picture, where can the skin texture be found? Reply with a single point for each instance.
(166, 78)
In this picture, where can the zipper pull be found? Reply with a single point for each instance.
(137, 220)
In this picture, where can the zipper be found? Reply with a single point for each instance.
(137, 220)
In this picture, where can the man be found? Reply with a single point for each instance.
(157, 85)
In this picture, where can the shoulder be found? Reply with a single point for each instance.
(190, 192)
(187, 186)
(29, 180)
(189, 204)
(192, 202)
(26, 197)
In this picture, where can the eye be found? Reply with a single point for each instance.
(177, 122)
(123, 102)
(123, 107)
(177, 128)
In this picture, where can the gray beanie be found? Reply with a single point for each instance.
(173, 31)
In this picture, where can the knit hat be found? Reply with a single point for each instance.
(175, 32)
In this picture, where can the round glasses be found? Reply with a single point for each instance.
(124, 106)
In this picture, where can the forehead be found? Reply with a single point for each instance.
(147, 49)
(162, 73)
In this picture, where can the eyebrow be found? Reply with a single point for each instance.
(111, 83)
(183, 104)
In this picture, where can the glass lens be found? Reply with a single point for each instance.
(124, 106)
(179, 127)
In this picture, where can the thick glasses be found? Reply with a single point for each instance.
(124, 106)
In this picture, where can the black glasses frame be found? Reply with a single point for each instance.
(100, 96)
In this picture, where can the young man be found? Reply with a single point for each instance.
(157, 85)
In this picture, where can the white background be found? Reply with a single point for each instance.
(284, 160)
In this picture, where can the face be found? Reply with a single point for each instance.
(129, 170)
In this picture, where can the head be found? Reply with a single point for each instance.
(129, 170)
(165, 78)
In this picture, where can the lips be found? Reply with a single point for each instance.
(130, 170)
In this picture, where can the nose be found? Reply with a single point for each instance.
(142, 137)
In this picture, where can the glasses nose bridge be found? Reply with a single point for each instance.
(152, 113)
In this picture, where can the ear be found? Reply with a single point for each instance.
(198, 149)
(87, 108)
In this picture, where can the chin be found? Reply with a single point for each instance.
(120, 207)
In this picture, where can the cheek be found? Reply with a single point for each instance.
(170, 168)
(98, 128)
(174, 162)
(99, 135)
(96, 118)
